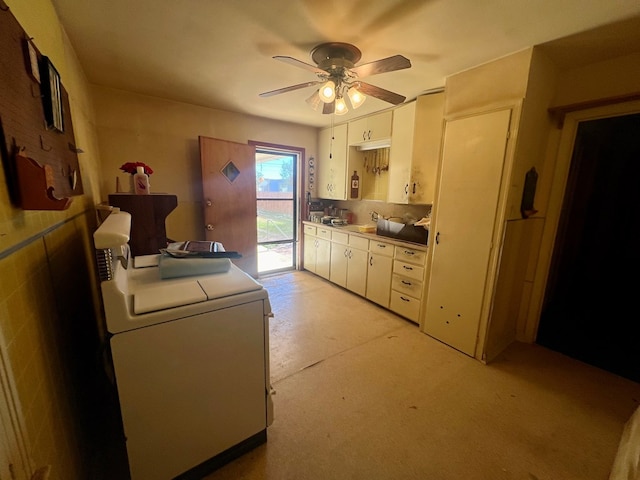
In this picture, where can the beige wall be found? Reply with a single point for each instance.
(47, 303)
(164, 135)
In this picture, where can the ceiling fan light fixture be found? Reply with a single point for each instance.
(356, 97)
(327, 92)
(341, 106)
(314, 101)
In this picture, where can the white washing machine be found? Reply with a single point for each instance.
(190, 356)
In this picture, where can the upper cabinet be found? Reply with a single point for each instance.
(374, 128)
(332, 163)
(415, 150)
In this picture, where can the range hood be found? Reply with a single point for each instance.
(383, 143)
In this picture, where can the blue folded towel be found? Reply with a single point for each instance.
(171, 267)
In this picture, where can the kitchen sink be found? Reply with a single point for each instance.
(401, 231)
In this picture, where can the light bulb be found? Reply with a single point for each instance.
(341, 106)
(356, 97)
(328, 92)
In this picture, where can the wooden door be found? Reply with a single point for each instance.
(462, 234)
(229, 189)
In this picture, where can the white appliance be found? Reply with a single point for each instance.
(190, 356)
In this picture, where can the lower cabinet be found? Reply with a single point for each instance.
(385, 273)
(379, 271)
(349, 262)
(407, 284)
(317, 250)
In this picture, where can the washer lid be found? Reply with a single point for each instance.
(162, 296)
(233, 282)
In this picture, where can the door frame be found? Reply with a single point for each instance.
(560, 175)
(300, 172)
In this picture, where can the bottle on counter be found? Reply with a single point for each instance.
(141, 182)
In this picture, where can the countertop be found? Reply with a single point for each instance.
(353, 230)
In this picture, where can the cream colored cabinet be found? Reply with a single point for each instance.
(374, 128)
(415, 150)
(331, 165)
(357, 269)
(463, 227)
(379, 270)
(407, 284)
(317, 250)
(339, 258)
(349, 262)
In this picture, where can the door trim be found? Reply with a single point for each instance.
(556, 200)
(300, 175)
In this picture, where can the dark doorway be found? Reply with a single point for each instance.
(590, 310)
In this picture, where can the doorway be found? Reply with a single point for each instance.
(277, 207)
(589, 311)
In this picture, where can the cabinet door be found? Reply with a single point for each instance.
(357, 131)
(379, 278)
(339, 163)
(401, 153)
(323, 164)
(332, 163)
(379, 126)
(472, 164)
(370, 129)
(339, 263)
(310, 253)
(357, 271)
(427, 140)
(323, 258)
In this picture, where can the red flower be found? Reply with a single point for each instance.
(131, 167)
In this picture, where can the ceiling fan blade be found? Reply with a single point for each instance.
(298, 63)
(381, 93)
(289, 89)
(389, 64)
(329, 107)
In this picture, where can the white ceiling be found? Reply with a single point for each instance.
(218, 53)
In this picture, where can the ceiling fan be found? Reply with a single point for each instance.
(339, 75)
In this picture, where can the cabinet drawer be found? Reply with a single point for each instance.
(323, 232)
(309, 230)
(358, 242)
(408, 270)
(405, 305)
(407, 285)
(411, 255)
(381, 248)
(340, 237)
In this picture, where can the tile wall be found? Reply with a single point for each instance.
(49, 336)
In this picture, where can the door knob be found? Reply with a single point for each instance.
(209, 203)
(209, 226)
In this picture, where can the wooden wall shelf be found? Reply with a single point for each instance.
(36, 119)
(37, 188)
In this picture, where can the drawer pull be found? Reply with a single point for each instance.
(406, 267)
(404, 299)
(407, 283)
(382, 245)
(409, 252)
